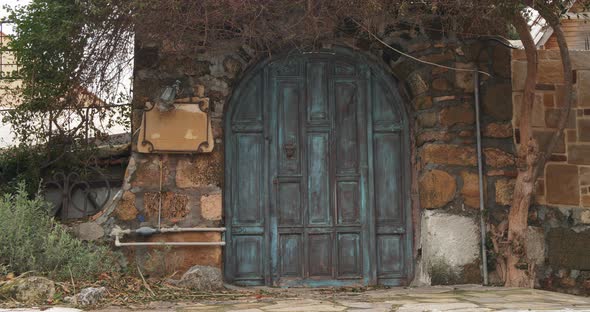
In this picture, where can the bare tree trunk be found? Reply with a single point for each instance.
(519, 273)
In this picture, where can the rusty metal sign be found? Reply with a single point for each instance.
(184, 129)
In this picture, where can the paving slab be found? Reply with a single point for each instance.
(462, 298)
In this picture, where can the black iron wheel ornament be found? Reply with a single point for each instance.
(71, 186)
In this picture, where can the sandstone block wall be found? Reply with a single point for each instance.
(566, 177)
(563, 195)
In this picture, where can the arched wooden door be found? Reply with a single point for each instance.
(317, 179)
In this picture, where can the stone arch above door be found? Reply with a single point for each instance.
(317, 186)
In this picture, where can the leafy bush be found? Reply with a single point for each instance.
(30, 240)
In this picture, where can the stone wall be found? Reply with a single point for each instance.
(441, 105)
(563, 190)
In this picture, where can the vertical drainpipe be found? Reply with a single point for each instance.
(480, 173)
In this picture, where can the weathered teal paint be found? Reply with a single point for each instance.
(317, 174)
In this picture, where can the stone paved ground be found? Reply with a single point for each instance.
(456, 299)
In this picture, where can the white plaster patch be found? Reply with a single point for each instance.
(451, 239)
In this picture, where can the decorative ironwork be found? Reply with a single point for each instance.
(78, 193)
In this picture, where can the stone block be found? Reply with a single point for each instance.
(470, 188)
(448, 154)
(437, 188)
(444, 98)
(452, 115)
(417, 84)
(445, 56)
(583, 91)
(466, 134)
(497, 102)
(550, 71)
(562, 185)
(29, 290)
(90, 296)
(504, 191)
(441, 84)
(571, 135)
(464, 79)
(548, 100)
(580, 60)
(427, 120)
(232, 66)
(147, 174)
(535, 245)
(200, 170)
(126, 210)
(574, 254)
(423, 102)
(543, 138)
(415, 47)
(584, 176)
(432, 136)
(174, 206)
(498, 130)
(584, 130)
(438, 71)
(585, 216)
(211, 207)
(552, 116)
(498, 158)
(549, 54)
(202, 279)
(578, 154)
(88, 231)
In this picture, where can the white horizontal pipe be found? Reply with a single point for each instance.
(119, 244)
(192, 229)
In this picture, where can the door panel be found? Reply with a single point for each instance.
(390, 255)
(249, 263)
(289, 205)
(388, 178)
(319, 179)
(320, 255)
(291, 255)
(349, 255)
(317, 91)
(249, 173)
(347, 148)
(289, 99)
(348, 203)
(315, 188)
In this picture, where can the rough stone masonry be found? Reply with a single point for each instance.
(445, 194)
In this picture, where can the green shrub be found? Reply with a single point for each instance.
(30, 240)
